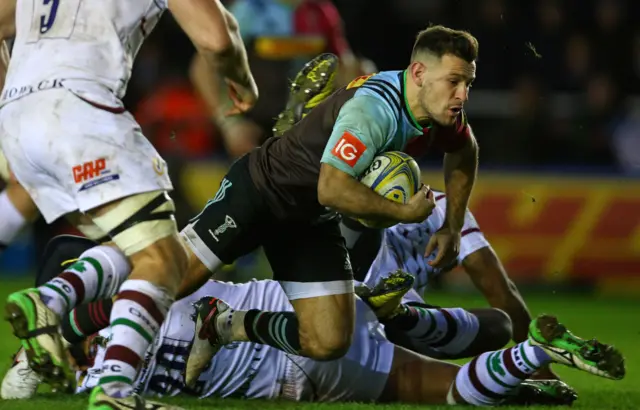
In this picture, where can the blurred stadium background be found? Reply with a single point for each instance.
(556, 110)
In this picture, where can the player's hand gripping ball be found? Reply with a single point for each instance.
(394, 175)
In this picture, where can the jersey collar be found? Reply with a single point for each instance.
(405, 106)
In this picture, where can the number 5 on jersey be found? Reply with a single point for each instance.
(349, 149)
(53, 19)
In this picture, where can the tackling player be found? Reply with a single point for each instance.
(445, 333)
(78, 153)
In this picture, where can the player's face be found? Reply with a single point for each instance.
(445, 88)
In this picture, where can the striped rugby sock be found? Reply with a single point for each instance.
(276, 329)
(85, 320)
(489, 377)
(136, 317)
(97, 274)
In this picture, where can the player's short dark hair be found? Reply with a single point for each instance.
(441, 40)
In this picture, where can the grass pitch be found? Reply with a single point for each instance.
(611, 320)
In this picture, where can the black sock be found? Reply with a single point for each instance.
(406, 320)
(85, 320)
(276, 329)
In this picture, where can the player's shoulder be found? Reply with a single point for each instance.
(385, 86)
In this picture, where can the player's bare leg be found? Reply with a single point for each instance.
(158, 259)
(320, 328)
(493, 377)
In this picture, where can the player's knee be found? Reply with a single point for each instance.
(330, 345)
(138, 221)
(496, 327)
(143, 226)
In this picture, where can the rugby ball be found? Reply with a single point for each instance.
(394, 175)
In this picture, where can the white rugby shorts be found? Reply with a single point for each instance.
(72, 155)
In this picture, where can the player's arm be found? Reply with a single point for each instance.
(489, 276)
(7, 31)
(7, 19)
(363, 128)
(4, 61)
(460, 169)
(216, 37)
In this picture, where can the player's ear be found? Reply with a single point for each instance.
(417, 70)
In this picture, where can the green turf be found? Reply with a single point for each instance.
(611, 320)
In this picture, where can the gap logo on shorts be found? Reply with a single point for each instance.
(93, 173)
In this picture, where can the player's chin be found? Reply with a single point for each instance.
(447, 119)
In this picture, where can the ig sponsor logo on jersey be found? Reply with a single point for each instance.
(349, 149)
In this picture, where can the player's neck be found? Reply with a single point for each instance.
(411, 100)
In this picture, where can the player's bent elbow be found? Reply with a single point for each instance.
(327, 194)
(330, 186)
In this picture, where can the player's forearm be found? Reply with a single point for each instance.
(4, 62)
(491, 279)
(512, 303)
(350, 197)
(216, 37)
(460, 169)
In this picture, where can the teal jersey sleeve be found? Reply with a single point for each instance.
(365, 126)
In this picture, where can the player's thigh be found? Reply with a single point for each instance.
(72, 155)
(312, 265)
(418, 379)
(230, 224)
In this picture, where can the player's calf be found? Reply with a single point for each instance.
(448, 333)
(144, 228)
(35, 313)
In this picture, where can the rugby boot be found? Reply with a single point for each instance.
(99, 400)
(385, 299)
(312, 85)
(565, 348)
(37, 328)
(207, 340)
(20, 381)
(541, 393)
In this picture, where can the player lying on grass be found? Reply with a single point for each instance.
(373, 369)
(445, 333)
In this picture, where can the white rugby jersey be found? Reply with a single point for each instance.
(86, 46)
(404, 245)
